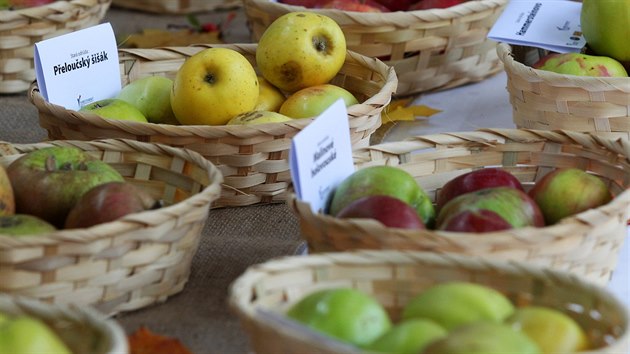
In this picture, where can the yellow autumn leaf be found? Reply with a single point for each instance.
(398, 110)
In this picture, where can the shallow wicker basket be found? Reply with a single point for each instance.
(253, 159)
(546, 100)
(176, 6)
(81, 328)
(263, 293)
(135, 261)
(586, 244)
(21, 29)
(429, 49)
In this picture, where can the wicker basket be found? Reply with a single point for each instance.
(177, 6)
(546, 100)
(21, 29)
(253, 159)
(135, 261)
(429, 49)
(586, 244)
(262, 294)
(82, 329)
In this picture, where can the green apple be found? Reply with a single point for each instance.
(383, 180)
(258, 117)
(408, 337)
(312, 101)
(152, 96)
(343, 313)
(606, 27)
(114, 108)
(455, 304)
(552, 330)
(581, 65)
(26, 334)
(24, 225)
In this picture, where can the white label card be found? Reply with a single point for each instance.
(78, 68)
(321, 156)
(549, 24)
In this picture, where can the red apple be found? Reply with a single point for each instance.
(311, 4)
(390, 211)
(434, 4)
(481, 220)
(396, 5)
(568, 191)
(23, 4)
(108, 202)
(476, 180)
(348, 5)
(511, 204)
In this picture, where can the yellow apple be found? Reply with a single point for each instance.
(301, 49)
(212, 86)
(270, 97)
(151, 95)
(114, 108)
(311, 101)
(606, 27)
(258, 117)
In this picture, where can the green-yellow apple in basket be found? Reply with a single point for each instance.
(606, 27)
(24, 225)
(48, 182)
(408, 337)
(212, 86)
(301, 49)
(258, 117)
(581, 65)
(152, 96)
(7, 199)
(313, 100)
(114, 108)
(23, 334)
(270, 97)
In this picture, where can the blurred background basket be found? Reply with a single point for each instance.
(587, 244)
(263, 293)
(135, 261)
(253, 159)
(176, 6)
(81, 328)
(546, 100)
(429, 49)
(21, 29)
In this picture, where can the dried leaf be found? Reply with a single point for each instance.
(143, 341)
(152, 38)
(399, 110)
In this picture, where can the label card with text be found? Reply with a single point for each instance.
(321, 156)
(78, 68)
(549, 24)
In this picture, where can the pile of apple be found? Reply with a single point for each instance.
(374, 5)
(297, 56)
(483, 200)
(64, 188)
(447, 318)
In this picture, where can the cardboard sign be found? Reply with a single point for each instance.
(78, 68)
(551, 25)
(321, 156)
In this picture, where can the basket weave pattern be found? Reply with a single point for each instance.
(176, 6)
(429, 49)
(21, 29)
(586, 244)
(135, 261)
(550, 101)
(263, 293)
(252, 159)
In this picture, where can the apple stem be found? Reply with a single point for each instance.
(209, 79)
(50, 164)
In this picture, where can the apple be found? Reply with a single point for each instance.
(396, 5)
(312, 101)
(383, 180)
(581, 65)
(350, 6)
(458, 303)
(408, 337)
(346, 314)
(212, 86)
(151, 95)
(24, 225)
(473, 181)
(312, 4)
(27, 334)
(552, 330)
(481, 220)
(113, 108)
(270, 98)
(390, 211)
(301, 49)
(108, 202)
(606, 29)
(434, 4)
(7, 199)
(258, 117)
(511, 204)
(568, 191)
(483, 338)
(48, 182)
(22, 4)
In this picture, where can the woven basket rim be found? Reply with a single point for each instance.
(514, 67)
(131, 221)
(384, 95)
(53, 7)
